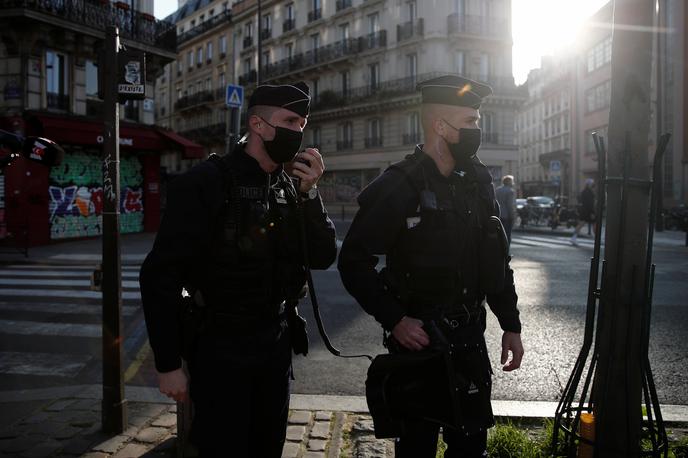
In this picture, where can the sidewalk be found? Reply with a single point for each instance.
(320, 426)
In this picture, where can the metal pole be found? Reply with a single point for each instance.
(228, 130)
(114, 408)
(659, 223)
(260, 45)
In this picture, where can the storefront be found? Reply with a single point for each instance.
(67, 201)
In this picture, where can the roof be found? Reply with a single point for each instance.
(189, 8)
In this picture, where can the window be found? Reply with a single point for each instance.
(488, 127)
(91, 79)
(248, 30)
(411, 65)
(317, 4)
(180, 66)
(346, 82)
(202, 18)
(315, 137)
(374, 137)
(289, 50)
(247, 65)
(221, 80)
(315, 41)
(209, 51)
(374, 75)
(199, 56)
(460, 6)
(289, 12)
(223, 45)
(412, 9)
(208, 84)
(412, 135)
(373, 23)
(459, 62)
(314, 89)
(57, 80)
(484, 69)
(265, 59)
(600, 54)
(179, 93)
(189, 57)
(267, 22)
(344, 31)
(598, 97)
(345, 138)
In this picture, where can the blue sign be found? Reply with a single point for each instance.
(235, 96)
(554, 166)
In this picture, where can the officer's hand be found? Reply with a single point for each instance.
(511, 342)
(174, 384)
(410, 334)
(309, 174)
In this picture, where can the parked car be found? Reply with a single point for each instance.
(539, 209)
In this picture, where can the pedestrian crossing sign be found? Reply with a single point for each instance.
(235, 96)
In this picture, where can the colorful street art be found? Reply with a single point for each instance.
(76, 196)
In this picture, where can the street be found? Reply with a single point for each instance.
(50, 326)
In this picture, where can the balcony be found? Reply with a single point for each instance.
(133, 25)
(324, 54)
(266, 34)
(343, 4)
(314, 15)
(247, 78)
(386, 89)
(58, 101)
(484, 26)
(248, 42)
(189, 101)
(411, 29)
(288, 25)
(373, 142)
(219, 19)
(373, 40)
(411, 139)
(344, 145)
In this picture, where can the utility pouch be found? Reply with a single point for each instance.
(192, 320)
(298, 332)
(494, 252)
(473, 386)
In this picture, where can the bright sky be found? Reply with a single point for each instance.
(540, 27)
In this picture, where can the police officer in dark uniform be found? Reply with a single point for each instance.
(231, 238)
(431, 215)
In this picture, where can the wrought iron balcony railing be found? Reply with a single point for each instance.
(411, 139)
(372, 142)
(314, 15)
(133, 25)
(219, 19)
(265, 34)
(324, 54)
(485, 26)
(490, 137)
(247, 78)
(343, 4)
(248, 42)
(373, 40)
(410, 29)
(343, 145)
(198, 98)
(288, 25)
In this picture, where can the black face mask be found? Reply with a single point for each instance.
(468, 144)
(286, 144)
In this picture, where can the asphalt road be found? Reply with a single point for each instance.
(50, 327)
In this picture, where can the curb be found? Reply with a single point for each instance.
(503, 409)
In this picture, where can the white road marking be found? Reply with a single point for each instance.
(72, 294)
(45, 364)
(62, 309)
(35, 328)
(40, 282)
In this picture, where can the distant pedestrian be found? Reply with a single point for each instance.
(506, 197)
(586, 210)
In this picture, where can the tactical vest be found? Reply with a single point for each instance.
(434, 266)
(255, 261)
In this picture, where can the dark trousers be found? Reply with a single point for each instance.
(240, 394)
(421, 442)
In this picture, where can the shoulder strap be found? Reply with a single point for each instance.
(412, 168)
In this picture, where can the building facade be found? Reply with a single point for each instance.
(49, 62)
(362, 60)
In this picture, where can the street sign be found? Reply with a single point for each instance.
(234, 96)
(131, 75)
(554, 166)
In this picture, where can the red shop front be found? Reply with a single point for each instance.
(66, 201)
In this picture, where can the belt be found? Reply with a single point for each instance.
(467, 318)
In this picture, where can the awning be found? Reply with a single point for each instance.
(74, 130)
(190, 149)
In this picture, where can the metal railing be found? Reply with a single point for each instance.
(198, 98)
(343, 145)
(373, 40)
(203, 27)
(372, 142)
(288, 25)
(343, 4)
(323, 54)
(133, 25)
(247, 78)
(490, 137)
(265, 34)
(248, 42)
(314, 15)
(410, 29)
(485, 26)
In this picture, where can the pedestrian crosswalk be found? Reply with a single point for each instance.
(548, 241)
(51, 323)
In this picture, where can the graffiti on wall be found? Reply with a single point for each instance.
(76, 196)
(3, 223)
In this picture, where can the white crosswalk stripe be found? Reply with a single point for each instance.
(47, 308)
(528, 240)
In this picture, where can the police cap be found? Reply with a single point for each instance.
(454, 90)
(293, 97)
